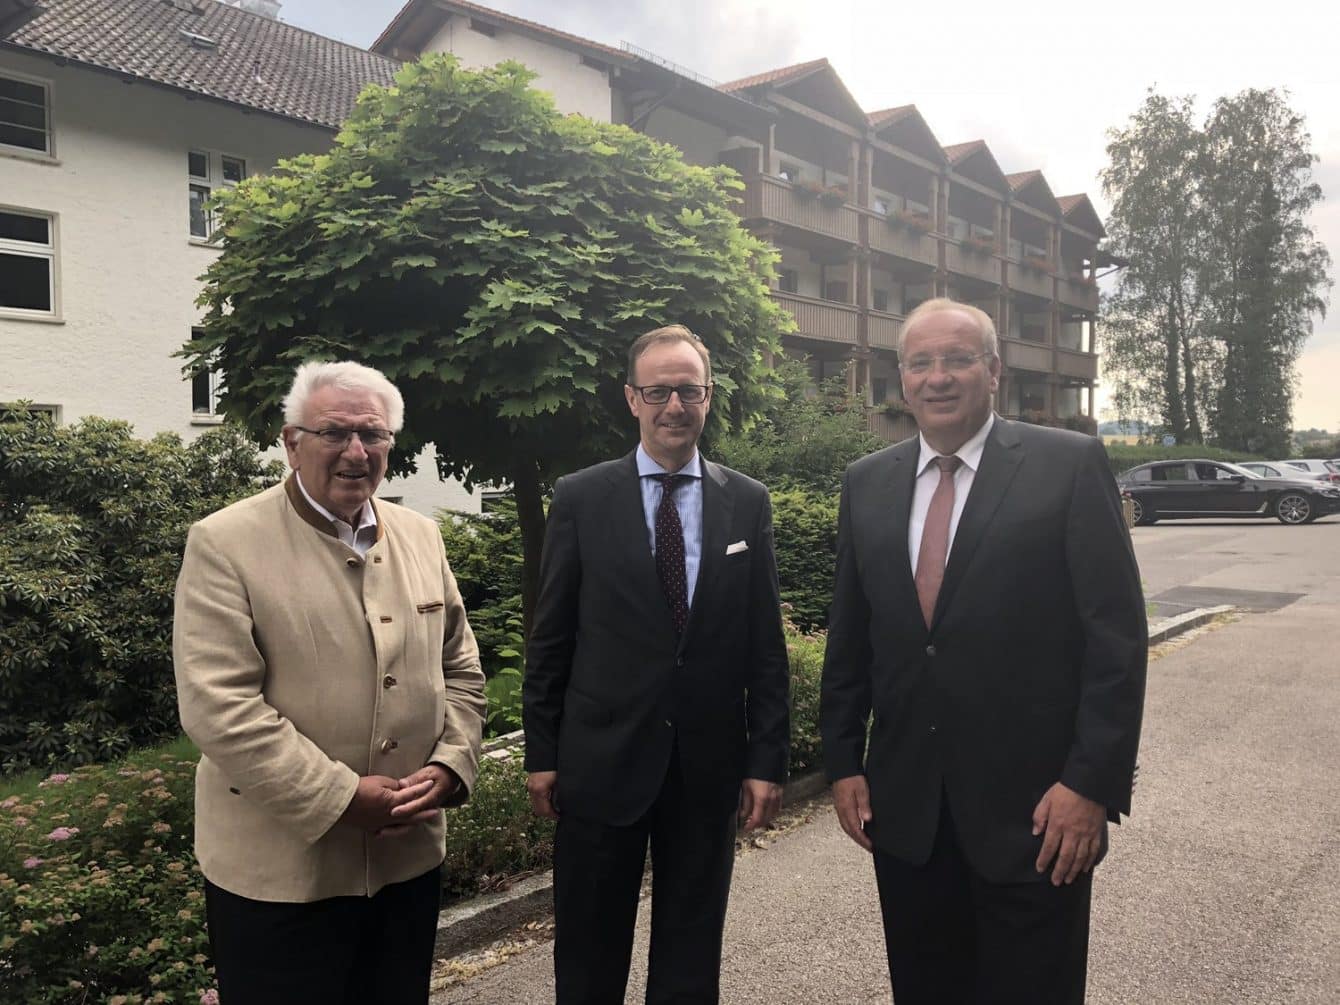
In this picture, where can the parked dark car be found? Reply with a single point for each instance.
(1174, 490)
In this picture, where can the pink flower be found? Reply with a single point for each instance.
(210, 997)
(32, 863)
(62, 833)
(9, 803)
(56, 779)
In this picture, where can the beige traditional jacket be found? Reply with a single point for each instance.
(301, 667)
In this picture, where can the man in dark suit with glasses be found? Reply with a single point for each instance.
(656, 707)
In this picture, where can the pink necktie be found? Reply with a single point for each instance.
(935, 539)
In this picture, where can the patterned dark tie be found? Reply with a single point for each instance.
(670, 551)
(935, 539)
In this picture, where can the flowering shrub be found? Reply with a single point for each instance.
(100, 898)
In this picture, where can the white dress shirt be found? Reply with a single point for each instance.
(360, 540)
(688, 501)
(928, 476)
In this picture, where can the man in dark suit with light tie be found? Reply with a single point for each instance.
(987, 609)
(655, 697)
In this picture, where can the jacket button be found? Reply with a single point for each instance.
(679, 662)
(669, 723)
(930, 650)
(389, 745)
(388, 681)
(932, 729)
(351, 562)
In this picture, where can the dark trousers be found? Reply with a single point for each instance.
(597, 879)
(354, 950)
(955, 939)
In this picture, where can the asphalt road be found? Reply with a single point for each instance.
(1224, 887)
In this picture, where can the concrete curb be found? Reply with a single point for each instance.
(1162, 631)
(479, 920)
(474, 922)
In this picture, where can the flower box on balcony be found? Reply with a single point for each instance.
(979, 245)
(1037, 264)
(918, 223)
(833, 196)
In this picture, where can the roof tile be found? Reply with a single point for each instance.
(778, 76)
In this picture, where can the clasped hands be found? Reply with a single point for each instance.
(386, 806)
(1070, 824)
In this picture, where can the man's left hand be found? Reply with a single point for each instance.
(759, 802)
(431, 785)
(1072, 829)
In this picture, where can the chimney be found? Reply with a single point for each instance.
(265, 8)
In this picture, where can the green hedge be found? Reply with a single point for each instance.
(92, 526)
(805, 536)
(100, 895)
(1124, 456)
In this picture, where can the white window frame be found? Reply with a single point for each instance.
(212, 417)
(211, 181)
(50, 152)
(29, 249)
(51, 410)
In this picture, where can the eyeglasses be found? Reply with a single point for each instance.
(954, 362)
(337, 438)
(659, 394)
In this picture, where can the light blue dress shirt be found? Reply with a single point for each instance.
(689, 502)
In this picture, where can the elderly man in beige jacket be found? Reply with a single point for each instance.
(326, 671)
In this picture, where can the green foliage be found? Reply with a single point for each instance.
(493, 258)
(495, 837)
(99, 892)
(805, 532)
(1225, 274)
(484, 551)
(92, 526)
(503, 691)
(805, 437)
(806, 653)
(1124, 456)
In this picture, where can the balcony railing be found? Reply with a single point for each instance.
(820, 319)
(1020, 355)
(1078, 293)
(902, 241)
(966, 260)
(891, 427)
(1072, 363)
(1027, 279)
(884, 330)
(768, 198)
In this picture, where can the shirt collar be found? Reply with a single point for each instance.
(647, 467)
(367, 518)
(970, 454)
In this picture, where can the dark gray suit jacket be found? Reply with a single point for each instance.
(610, 689)
(1032, 672)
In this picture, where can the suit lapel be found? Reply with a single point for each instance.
(898, 502)
(718, 509)
(1000, 461)
(628, 529)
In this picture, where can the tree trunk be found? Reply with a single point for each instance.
(530, 518)
(1173, 412)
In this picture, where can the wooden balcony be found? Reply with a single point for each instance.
(1026, 279)
(1076, 293)
(1020, 355)
(820, 319)
(1072, 363)
(893, 428)
(902, 242)
(884, 330)
(972, 263)
(768, 198)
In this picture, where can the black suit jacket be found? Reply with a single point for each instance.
(610, 688)
(1032, 672)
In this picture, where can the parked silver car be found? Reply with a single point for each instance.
(1278, 469)
(1329, 470)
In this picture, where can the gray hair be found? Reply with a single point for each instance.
(347, 376)
(985, 325)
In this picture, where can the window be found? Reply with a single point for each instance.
(836, 290)
(880, 300)
(1140, 475)
(879, 390)
(51, 412)
(788, 280)
(206, 171)
(1171, 473)
(204, 388)
(788, 171)
(27, 263)
(881, 205)
(25, 115)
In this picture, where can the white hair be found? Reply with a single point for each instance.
(347, 376)
(985, 325)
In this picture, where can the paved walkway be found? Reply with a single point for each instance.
(1223, 888)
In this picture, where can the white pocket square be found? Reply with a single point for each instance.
(736, 548)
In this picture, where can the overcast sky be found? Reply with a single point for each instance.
(1040, 81)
